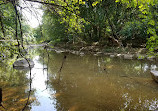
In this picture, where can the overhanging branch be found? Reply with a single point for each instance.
(45, 3)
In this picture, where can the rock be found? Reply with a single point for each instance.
(75, 52)
(23, 63)
(154, 75)
(95, 54)
(59, 51)
(22, 68)
(112, 56)
(108, 54)
(96, 49)
(99, 53)
(82, 54)
(128, 56)
(95, 43)
(119, 55)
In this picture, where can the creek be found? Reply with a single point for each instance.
(85, 83)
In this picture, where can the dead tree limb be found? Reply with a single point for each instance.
(64, 58)
(45, 3)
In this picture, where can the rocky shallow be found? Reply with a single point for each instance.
(126, 56)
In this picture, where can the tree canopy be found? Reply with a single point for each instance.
(109, 22)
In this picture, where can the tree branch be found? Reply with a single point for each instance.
(45, 3)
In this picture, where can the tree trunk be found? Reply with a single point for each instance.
(2, 26)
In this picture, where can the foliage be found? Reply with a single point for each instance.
(53, 28)
(7, 18)
(37, 34)
(103, 21)
(134, 33)
(8, 39)
(100, 20)
(96, 21)
(149, 15)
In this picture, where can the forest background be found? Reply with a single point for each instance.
(106, 23)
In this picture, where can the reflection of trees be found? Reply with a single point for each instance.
(12, 76)
(83, 87)
(145, 102)
(129, 68)
(13, 83)
(77, 87)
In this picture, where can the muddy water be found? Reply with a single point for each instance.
(86, 83)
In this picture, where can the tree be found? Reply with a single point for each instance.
(149, 12)
(14, 30)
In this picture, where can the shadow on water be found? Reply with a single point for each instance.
(86, 83)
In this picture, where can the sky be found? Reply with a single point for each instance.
(31, 13)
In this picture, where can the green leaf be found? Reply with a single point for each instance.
(95, 3)
(151, 22)
(117, 1)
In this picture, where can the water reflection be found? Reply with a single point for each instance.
(101, 83)
(44, 100)
(13, 84)
(87, 83)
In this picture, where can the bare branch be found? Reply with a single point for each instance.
(45, 3)
(34, 13)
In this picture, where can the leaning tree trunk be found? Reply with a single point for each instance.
(2, 26)
(114, 38)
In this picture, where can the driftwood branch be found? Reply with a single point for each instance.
(64, 58)
(45, 3)
(51, 4)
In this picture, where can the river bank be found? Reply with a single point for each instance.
(114, 52)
